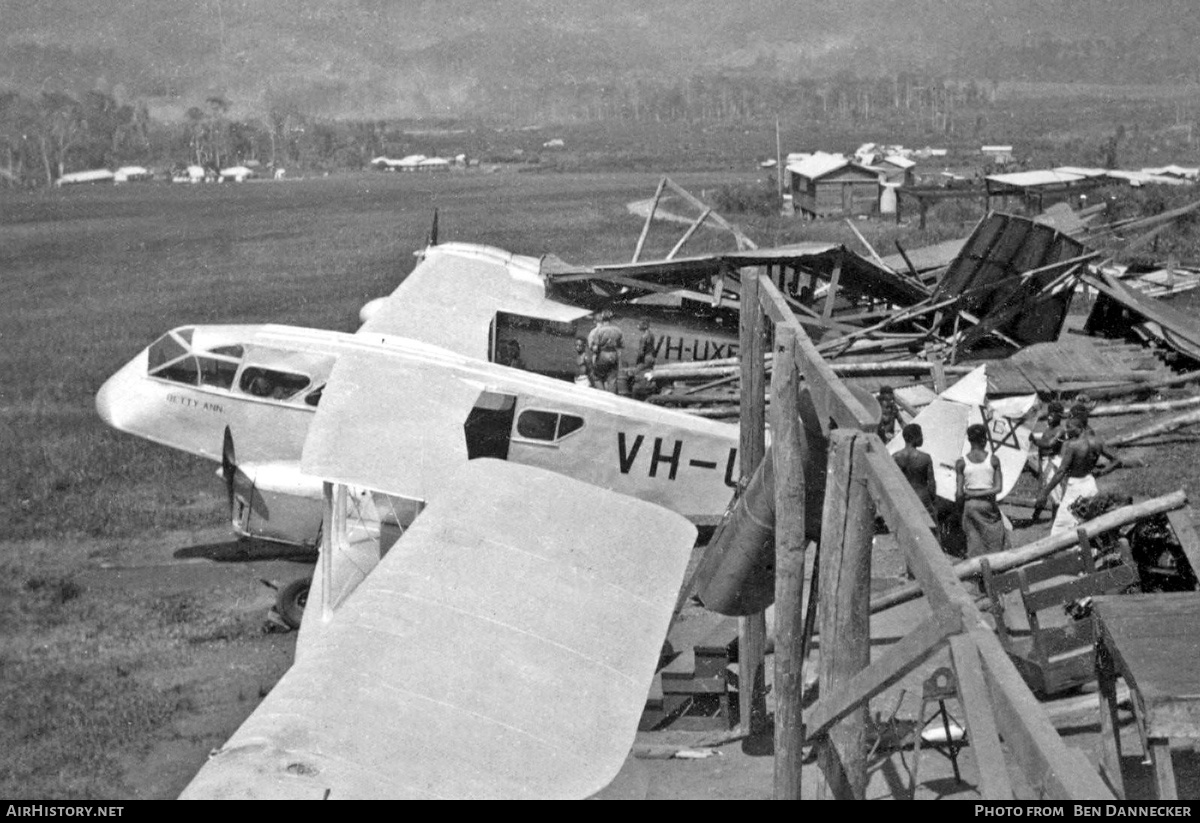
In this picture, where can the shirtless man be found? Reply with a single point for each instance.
(1049, 445)
(1080, 454)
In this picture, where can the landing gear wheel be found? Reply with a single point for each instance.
(291, 601)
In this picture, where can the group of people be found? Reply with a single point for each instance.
(1069, 456)
(598, 357)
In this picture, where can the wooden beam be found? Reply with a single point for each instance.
(687, 235)
(831, 294)
(848, 526)
(900, 659)
(637, 252)
(790, 542)
(752, 630)
(911, 524)
(831, 397)
(743, 242)
(1054, 770)
(1003, 561)
(870, 249)
(981, 721)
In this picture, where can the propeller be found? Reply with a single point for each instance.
(433, 229)
(228, 465)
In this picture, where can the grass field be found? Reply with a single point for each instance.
(92, 275)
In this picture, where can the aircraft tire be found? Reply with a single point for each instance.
(291, 601)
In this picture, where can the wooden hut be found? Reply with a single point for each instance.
(829, 184)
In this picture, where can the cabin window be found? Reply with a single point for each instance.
(273, 384)
(183, 370)
(313, 398)
(568, 423)
(215, 372)
(549, 426)
(165, 350)
(537, 425)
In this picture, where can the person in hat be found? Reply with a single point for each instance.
(646, 343)
(605, 342)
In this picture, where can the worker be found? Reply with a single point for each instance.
(605, 342)
(979, 480)
(889, 413)
(917, 467)
(1077, 472)
(646, 342)
(1049, 444)
(583, 363)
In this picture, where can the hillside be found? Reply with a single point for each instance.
(375, 58)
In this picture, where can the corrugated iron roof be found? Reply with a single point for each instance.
(1045, 177)
(820, 164)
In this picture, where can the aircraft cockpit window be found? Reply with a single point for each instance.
(313, 398)
(272, 384)
(236, 351)
(183, 370)
(164, 350)
(217, 372)
(549, 426)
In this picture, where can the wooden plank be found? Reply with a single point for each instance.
(1003, 561)
(1188, 541)
(752, 631)
(687, 235)
(848, 526)
(790, 541)
(1054, 770)
(981, 722)
(830, 395)
(900, 659)
(831, 294)
(637, 252)
(743, 242)
(908, 520)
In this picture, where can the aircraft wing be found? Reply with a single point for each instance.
(451, 298)
(503, 648)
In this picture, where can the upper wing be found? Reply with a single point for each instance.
(503, 648)
(451, 298)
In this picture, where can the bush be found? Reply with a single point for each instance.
(759, 198)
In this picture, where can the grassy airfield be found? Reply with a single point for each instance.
(116, 686)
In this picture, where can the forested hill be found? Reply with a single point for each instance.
(388, 58)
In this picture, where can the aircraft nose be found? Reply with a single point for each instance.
(114, 398)
(106, 401)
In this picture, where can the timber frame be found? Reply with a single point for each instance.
(863, 480)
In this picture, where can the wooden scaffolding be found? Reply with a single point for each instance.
(862, 482)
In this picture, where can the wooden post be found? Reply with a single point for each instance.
(790, 539)
(752, 630)
(831, 294)
(848, 528)
(637, 252)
